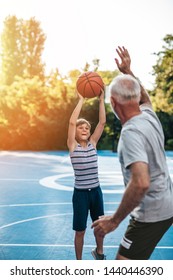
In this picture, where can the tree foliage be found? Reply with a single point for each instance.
(163, 71)
(22, 43)
(35, 108)
(162, 95)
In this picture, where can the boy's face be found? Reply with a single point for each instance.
(82, 132)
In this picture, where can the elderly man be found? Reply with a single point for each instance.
(148, 196)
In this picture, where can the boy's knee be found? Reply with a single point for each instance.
(80, 233)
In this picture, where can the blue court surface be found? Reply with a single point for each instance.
(36, 209)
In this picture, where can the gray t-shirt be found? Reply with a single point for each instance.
(142, 139)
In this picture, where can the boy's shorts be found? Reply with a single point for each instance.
(141, 239)
(83, 202)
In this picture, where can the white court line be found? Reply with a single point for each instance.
(52, 182)
(18, 179)
(38, 218)
(38, 155)
(72, 246)
(46, 204)
(35, 204)
(19, 164)
(33, 219)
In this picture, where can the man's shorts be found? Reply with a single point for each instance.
(140, 239)
(83, 202)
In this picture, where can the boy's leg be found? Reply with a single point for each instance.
(78, 242)
(99, 243)
(80, 214)
(97, 209)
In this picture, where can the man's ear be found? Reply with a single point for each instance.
(113, 101)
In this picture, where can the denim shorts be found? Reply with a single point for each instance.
(141, 239)
(84, 202)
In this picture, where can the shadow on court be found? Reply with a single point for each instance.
(36, 209)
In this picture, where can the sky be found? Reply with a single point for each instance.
(79, 31)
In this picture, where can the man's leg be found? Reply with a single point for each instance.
(119, 257)
(141, 239)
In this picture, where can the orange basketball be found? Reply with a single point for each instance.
(89, 84)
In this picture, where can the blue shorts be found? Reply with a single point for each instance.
(83, 202)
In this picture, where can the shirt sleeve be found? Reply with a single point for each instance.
(134, 148)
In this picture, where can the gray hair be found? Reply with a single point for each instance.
(125, 88)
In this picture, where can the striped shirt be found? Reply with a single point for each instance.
(85, 165)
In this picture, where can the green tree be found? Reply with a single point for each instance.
(163, 71)
(22, 43)
(162, 95)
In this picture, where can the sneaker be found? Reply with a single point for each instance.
(97, 256)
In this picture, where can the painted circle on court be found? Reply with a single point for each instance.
(107, 179)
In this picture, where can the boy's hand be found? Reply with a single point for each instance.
(102, 95)
(79, 95)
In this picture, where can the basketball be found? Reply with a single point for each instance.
(89, 84)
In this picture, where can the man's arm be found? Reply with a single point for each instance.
(136, 189)
(125, 68)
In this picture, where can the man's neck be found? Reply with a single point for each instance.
(129, 111)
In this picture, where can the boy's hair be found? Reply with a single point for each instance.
(82, 121)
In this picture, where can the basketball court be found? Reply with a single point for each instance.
(36, 209)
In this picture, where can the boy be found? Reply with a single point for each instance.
(87, 194)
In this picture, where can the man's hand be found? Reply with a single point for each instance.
(124, 65)
(104, 225)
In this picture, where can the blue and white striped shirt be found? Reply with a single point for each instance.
(85, 165)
